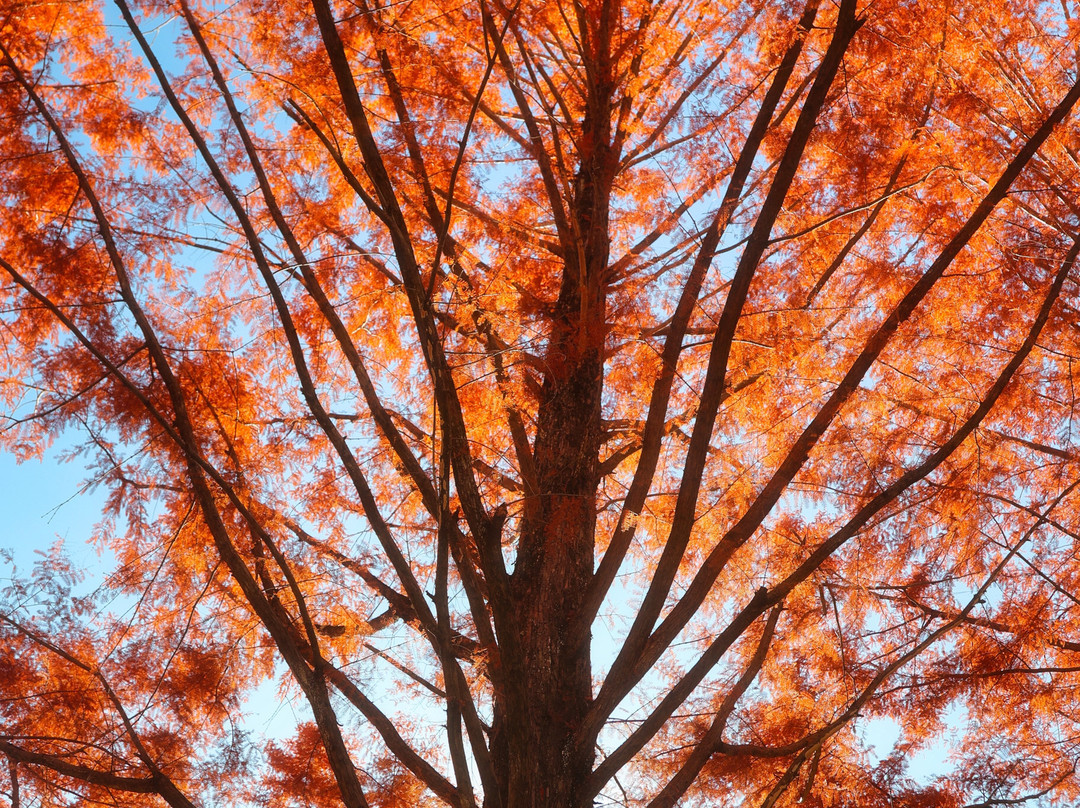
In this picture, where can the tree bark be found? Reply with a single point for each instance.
(555, 560)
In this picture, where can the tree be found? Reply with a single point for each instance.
(567, 403)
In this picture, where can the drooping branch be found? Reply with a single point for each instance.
(158, 782)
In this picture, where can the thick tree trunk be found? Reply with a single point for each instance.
(549, 685)
(552, 678)
(549, 582)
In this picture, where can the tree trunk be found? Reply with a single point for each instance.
(549, 582)
(552, 688)
(556, 550)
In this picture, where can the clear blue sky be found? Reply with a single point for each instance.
(45, 501)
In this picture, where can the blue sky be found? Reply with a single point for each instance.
(43, 501)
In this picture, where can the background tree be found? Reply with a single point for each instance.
(617, 401)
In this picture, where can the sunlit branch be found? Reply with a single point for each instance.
(704, 74)
(65, 401)
(535, 142)
(163, 785)
(997, 801)
(708, 744)
(884, 197)
(814, 740)
(633, 653)
(311, 283)
(682, 689)
(449, 405)
(660, 396)
(367, 499)
(400, 605)
(61, 765)
(455, 696)
(798, 454)
(438, 784)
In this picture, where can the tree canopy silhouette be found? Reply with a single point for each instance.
(563, 403)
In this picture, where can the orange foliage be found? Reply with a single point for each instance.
(611, 402)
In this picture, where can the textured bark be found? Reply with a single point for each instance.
(556, 551)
